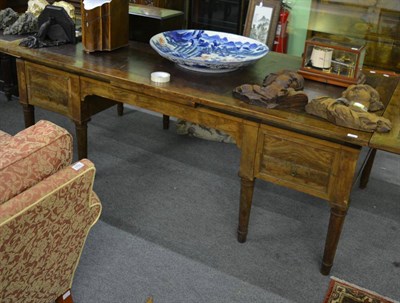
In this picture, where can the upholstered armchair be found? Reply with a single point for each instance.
(47, 207)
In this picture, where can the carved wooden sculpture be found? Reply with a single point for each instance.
(279, 90)
(365, 95)
(344, 113)
(353, 109)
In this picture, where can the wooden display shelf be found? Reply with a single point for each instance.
(316, 75)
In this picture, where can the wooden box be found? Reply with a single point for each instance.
(106, 27)
(147, 21)
(334, 62)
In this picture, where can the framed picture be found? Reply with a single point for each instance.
(261, 20)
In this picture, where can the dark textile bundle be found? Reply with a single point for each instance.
(279, 90)
(42, 37)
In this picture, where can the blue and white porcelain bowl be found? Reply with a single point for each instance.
(208, 51)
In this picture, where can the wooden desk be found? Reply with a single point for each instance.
(292, 149)
(8, 75)
(8, 70)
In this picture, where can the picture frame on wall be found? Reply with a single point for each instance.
(262, 20)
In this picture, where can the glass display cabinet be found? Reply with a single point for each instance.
(171, 4)
(222, 15)
(377, 22)
(333, 62)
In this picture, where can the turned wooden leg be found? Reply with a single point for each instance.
(6, 71)
(29, 114)
(332, 238)
(65, 298)
(81, 134)
(165, 122)
(120, 109)
(367, 169)
(246, 197)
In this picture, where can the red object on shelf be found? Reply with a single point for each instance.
(281, 36)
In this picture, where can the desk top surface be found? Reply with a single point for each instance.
(130, 68)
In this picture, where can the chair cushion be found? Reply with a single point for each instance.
(32, 155)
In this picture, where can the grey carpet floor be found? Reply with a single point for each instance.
(170, 210)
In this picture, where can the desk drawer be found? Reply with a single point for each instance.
(297, 161)
(51, 89)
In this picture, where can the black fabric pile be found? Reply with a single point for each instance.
(50, 34)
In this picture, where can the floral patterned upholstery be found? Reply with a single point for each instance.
(4, 137)
(43, 228)
(32, 155)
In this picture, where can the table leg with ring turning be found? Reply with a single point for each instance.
(165, 122)
(246, 197)
(81, 135)
(336, 222)
(367, 169)
(246, 173)
(29, 114)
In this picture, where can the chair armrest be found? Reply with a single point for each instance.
(43, 231)
(46, 187)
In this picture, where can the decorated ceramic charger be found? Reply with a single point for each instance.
(208, 51)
